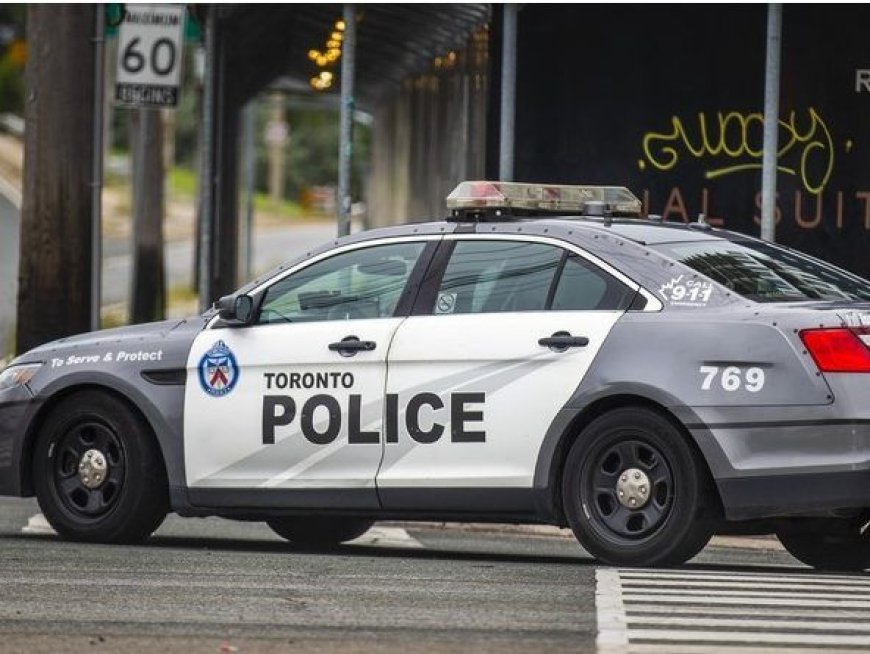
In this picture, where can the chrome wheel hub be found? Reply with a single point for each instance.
(633, 488)
(93, 468)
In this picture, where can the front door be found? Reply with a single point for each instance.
(295, 401)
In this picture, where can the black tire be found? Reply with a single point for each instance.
(319, 531)
(676, 517)
(836, 544)
(131, 498)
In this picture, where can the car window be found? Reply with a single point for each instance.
(767, 273)
(497, 276)
(363, 283)
(494, 276)
(582, 286)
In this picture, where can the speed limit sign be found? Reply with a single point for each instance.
(150, 39)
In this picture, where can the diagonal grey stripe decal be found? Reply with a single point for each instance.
(490, 384)
(272, 461)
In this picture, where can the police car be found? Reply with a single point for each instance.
(541, 356)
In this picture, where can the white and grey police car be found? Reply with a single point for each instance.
(541, 356)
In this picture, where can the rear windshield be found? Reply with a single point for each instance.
(768, 273)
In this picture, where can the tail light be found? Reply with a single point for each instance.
(839, 349)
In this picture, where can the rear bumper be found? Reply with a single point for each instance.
(776, 464)
(768, 496)
(16, 407)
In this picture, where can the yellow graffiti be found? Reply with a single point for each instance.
(733, 143)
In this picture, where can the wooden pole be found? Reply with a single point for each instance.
(147, 294)
(54, 293)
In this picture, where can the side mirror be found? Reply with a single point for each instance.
(236, 309)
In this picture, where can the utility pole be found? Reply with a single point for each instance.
(508, 92)
(54, 293)
(345, 120)
(147, 293)
(771, 122)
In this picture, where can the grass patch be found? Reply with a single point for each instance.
(113, 316)
(181, 301)
(182, 182)
(286, 209)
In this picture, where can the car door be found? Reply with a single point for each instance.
(294, 402)
(495, 349)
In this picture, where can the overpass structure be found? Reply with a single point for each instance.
(635, 95)
(249, 47)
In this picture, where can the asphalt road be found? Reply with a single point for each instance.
(219, 586)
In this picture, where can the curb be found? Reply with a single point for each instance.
(769, 543)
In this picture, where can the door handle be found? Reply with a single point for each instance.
(561, 341)
(350, 345)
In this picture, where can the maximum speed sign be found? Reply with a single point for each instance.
(150, 39)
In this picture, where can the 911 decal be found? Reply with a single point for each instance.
(733, 378)
(687, 292)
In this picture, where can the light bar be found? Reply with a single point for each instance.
(483, 195)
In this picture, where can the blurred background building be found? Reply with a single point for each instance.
(244, 170)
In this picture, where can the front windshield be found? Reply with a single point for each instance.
(767, 273)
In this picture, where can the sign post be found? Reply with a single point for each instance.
(150, 41)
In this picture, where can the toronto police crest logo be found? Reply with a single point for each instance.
(218, 370)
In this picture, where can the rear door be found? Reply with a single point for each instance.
(496, 347)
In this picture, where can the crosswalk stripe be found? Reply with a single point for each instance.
(741, 601)
(692, 592)
(686, 611)
(784, 585)
(750, 623)
(778, 638)
(632, 575)
(758, 648)
(639, 609)
(610, 614)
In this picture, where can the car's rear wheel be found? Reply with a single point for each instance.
(319, 531)
(97, 472)
(828, 543)
(635, 493)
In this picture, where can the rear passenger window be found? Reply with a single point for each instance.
(582, 286)
(496, 276)
(499, 276)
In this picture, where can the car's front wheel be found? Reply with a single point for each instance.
(841, 544)
(635, 493)
(319, 531)
(97, 471)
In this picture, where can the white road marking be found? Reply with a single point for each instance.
(751, 621)
(612, 632)
(782, 584)
(387, 537)
(703, 611)
(666, 575)
(374, 537)
(37, 524)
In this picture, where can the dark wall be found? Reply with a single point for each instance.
(668, 100)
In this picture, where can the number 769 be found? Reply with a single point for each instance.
(732, 378)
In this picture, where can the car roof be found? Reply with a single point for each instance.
(640, 230)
